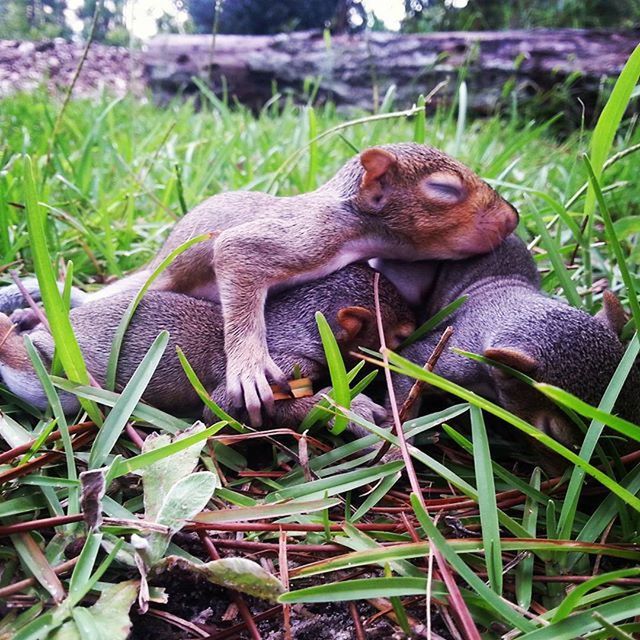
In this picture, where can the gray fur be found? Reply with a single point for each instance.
(196, 326)
(505, 309)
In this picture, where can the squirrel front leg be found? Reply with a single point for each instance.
(248, 260)
(248, 360)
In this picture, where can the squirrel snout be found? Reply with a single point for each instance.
(505, 216)
(511, 216)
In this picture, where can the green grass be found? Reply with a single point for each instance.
(122, 171)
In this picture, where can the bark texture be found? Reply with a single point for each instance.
(357, 70)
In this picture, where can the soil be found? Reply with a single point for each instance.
(210, 608)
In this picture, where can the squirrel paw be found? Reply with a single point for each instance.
(249, 386)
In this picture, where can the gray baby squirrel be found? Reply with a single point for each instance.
(404, 201)
(508, 319)
(345, 298)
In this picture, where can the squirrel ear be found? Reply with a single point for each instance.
(353, 320)
(376, 163)
(612, 314)
(512, 357)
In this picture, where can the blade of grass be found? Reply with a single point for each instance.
(204, 395)
(601, 141)
(66, 344)
(487, 500)
(499, 606)
(573, 598)
(579, 624)
(614, 243)
(112, 365)
(524, 570)
(121, 412)
(559, 268)
(594, 432)
(56, 406)
(433, 322)
(402, 365)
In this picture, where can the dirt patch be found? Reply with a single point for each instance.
(25, 66)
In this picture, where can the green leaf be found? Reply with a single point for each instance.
(363, 589)
(159, 476)
(186, 498)
(108, 618)
(240, 574)
(337, 371)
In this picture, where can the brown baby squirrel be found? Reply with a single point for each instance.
(404, 201)
(508, 319)
(344, 297)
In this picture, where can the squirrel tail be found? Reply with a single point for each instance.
(11, 297)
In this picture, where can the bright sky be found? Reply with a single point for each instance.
(141, 15)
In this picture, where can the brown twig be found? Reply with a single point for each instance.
(234, 632)
(7, 456)
(406, 457)
(270, 546)
(419, 385)
(417, 388)
(357, 623)
(40, 461)
(21, 585)
(178, 622)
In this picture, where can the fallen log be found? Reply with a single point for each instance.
(356, 70)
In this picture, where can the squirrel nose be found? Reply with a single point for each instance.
(510, 217)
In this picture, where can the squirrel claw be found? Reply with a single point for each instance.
(251, 389)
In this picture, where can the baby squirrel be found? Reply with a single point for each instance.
(404, 201)
(508, 319)
(345, 298)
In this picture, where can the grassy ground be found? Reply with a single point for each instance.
(112, 181)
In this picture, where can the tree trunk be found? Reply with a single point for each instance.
(357, 70)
